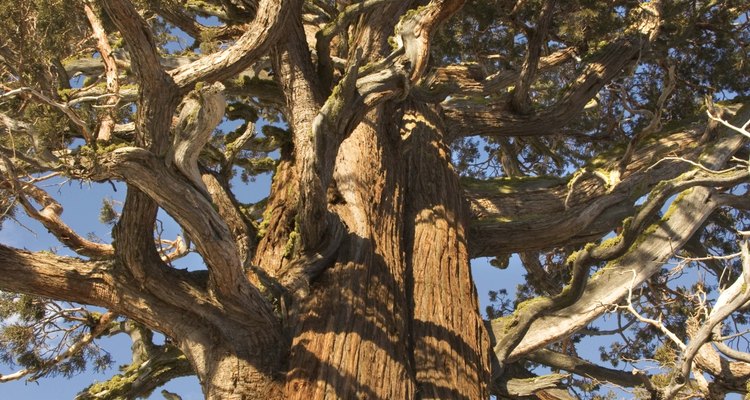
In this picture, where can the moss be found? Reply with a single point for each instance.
(393, 42)
(506, 322)
(611, 242)
(263, 227)
(413, 12)
(675, 204)
(291, 243)
(337, 99)
(510, 185)
(626, 223)
(531, 302)
(613, 154)
(574, 255)
(116, 386)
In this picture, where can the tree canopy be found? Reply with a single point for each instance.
(602, 145)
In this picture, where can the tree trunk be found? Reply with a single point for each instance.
(394, 315)
(450, 342)
(351, 339)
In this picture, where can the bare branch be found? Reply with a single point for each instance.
(645, 257)
(728, 302)
(739, 129)
(110, 69)
(262, 33)
(49, 216)
(588, 369)
(655, 323)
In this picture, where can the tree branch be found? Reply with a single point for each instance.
(581, 367)
(158, 92)
(64, 108)
(260, 35)
(152, 366)
(192, 209)
(728, 302)
(508, 213)
(60, 278)
(520, 101)
(466, 119)
(107, 123)
(645, 256)
(49, 216)
(202, 110)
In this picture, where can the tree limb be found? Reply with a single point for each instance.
(520, 101)
(645, 257)
(107, 122)
(50, 213)
(262, 33)
(158, 92)
(478, 119)
(728, 302)
(193, 210)
(581, 367)
(508, 213)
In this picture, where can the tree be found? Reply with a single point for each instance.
(405, 138)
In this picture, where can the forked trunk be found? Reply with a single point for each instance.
(394, 315)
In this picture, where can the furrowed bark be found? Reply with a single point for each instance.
(449, 339)
(243, 230)
(355, 318)
(99, 283)
(63, 278)
(195, 213)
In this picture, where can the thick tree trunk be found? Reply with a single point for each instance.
(351, 339)
(394, 315)
(450, 342)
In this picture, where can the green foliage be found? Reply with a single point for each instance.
(107, 214)
(33, 330)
